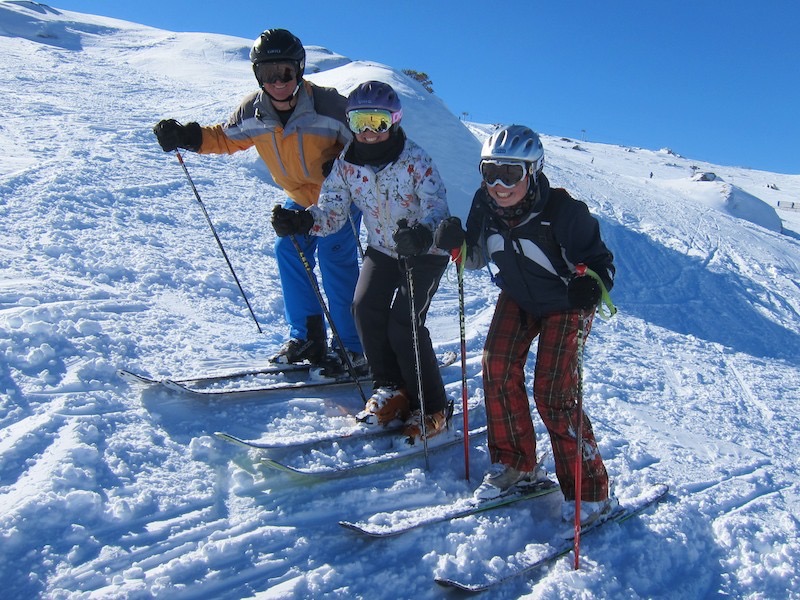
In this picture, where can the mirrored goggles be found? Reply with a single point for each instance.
(372, 119)
(507, 174)
(274, 72)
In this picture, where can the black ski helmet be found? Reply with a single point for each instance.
(278, 45)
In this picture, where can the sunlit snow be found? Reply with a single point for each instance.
(111, 491)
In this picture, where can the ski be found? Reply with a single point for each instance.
(280, 442)
(273, 369)
(400, 451)
(623, 512)
(262, 389)
(387, 524)
(358, 431)
(293, 377)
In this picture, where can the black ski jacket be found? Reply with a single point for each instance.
(536, 257)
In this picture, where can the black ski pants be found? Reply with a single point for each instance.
(382, 314)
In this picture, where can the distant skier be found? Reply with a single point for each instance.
(535, 235)
(297, 128)
(402, 196)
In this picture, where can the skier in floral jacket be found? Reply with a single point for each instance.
(402, 199)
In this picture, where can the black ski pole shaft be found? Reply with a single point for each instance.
(355, 234)
(315, 286)
(216, 237)
(458, 258)
(417, 360)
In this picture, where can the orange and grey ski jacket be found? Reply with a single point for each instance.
(294, 154)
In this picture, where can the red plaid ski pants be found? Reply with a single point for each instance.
(512, 440)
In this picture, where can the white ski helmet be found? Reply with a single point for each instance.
(515, 142)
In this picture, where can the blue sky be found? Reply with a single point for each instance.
(713, 80)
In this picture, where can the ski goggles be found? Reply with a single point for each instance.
(507, 174)
(372, 119)
(274, 72)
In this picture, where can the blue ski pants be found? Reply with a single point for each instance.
(337, 256)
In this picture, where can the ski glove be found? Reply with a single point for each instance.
(172, 135)
(583, 292)
(449, 235)
(412, 241)
(291, 222)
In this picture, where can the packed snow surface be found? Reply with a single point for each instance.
(111, 490)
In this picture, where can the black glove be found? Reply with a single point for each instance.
(172, 135)
(412, 241)
(449, 234)
(291, 222)
(583, 292)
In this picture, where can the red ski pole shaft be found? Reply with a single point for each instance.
(579, 443)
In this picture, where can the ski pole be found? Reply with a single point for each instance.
(417, 359)
(355, 235)
(315, 286)
(458, 255)
(606, 310)
(579, 440)
(216, 237)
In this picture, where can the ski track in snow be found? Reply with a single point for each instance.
(111, 491)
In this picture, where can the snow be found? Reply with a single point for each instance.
(111, 491)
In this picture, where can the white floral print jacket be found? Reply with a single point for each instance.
(409, 188)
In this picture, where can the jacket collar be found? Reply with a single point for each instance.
(541, 194)
(266, 113)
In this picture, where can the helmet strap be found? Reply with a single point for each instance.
(289, 99)
(533, 176)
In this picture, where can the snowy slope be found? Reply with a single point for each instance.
(107, 491)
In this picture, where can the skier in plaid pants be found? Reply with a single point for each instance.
(536, 236)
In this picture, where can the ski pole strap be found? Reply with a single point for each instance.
(605, 308)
